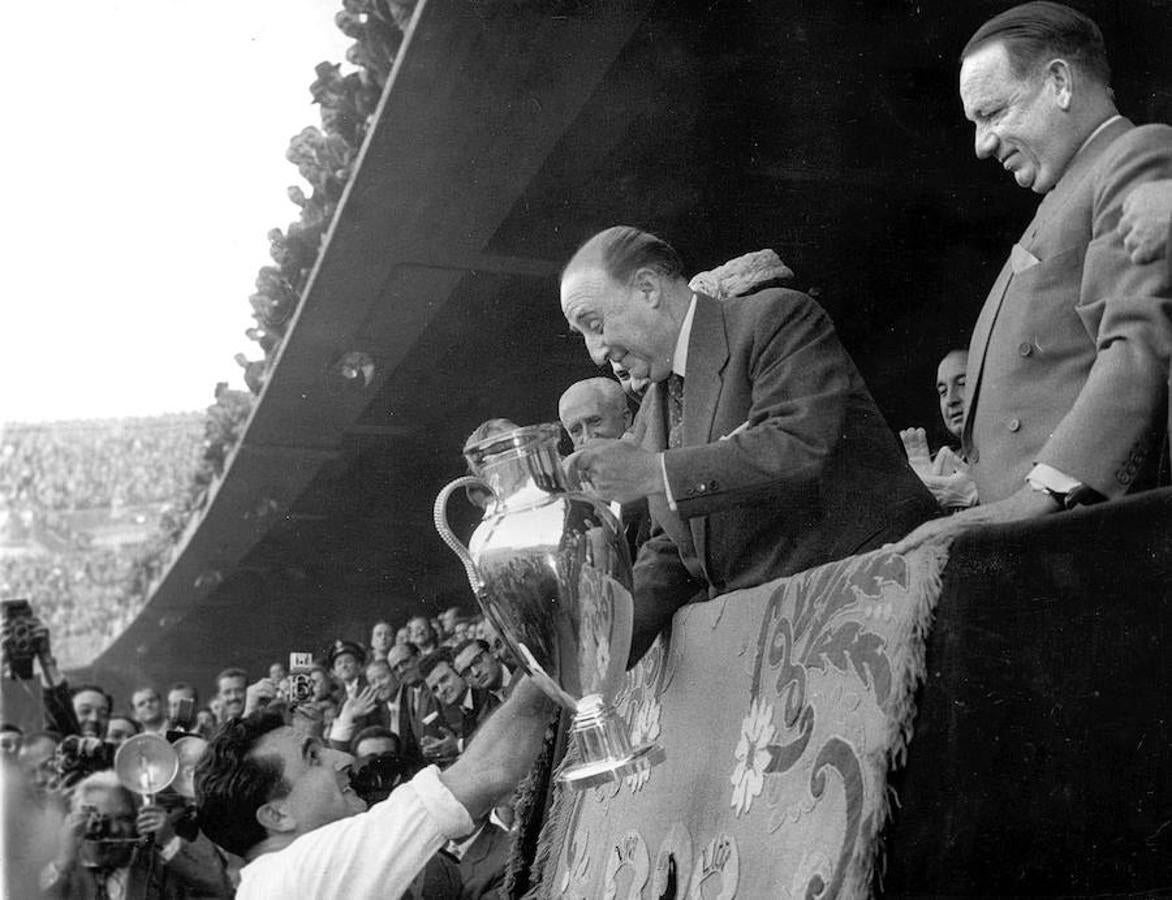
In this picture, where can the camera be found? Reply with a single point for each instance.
(19, 643)
(105, 844)
(379, 775)
(298, 687)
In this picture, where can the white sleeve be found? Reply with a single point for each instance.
(375, 854)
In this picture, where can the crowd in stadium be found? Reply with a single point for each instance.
(99, 463)
(414, 697)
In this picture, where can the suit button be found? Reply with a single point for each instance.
(1014, 424)
(714, 484)
(1025, 348)
(701, 487)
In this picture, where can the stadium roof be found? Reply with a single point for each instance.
(507, 134)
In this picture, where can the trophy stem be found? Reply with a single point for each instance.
(603, 746)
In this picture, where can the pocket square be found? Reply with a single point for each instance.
(1021, 259)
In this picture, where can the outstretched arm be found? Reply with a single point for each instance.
(502, 752)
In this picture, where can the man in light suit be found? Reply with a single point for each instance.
(768, 457)
(1068, 362)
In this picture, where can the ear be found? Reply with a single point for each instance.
(1060, 74)
(647, 285)
(275, 819)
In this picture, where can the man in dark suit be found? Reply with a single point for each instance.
(482, 857)
(444, 733)
(762, 455)
(1067, 368)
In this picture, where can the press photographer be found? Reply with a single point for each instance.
(109, 849)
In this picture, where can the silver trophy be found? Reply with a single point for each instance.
(551, 570)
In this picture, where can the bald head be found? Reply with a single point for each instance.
(594, 408)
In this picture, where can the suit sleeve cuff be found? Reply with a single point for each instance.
(1046, 478)
(671, 501)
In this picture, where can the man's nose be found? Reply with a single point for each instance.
(597, 348)
(955, 396)
(984, 142)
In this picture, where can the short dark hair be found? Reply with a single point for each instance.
(433, 659)
(9, 726)
(1034, 32)
(233, 672)
(145, 687)
(82, 688)
(372, 732)
(126, 718)
(623, 250)
(232, 783)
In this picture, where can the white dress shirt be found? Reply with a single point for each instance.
(375, 854)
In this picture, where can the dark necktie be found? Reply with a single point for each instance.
(675, 410)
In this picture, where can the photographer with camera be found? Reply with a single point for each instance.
(285, 803)
(108, 849)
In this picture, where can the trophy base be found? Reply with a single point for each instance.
(606, 771)
(604, 748)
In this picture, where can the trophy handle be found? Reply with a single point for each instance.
(440, 516)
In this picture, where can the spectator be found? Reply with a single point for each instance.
(402, 636)
(286, 806)
(597, 409)
(346, 660)
(110, 867)
(421, 633)
(482, 857)
(35, 760)
(475, 664)
(278, 672)
(594, 408)
(375, 741)
(231, 685)
(91, 706)
(148, 710)
(945, 475)
(461, 709)
(414, 699)
(381, 640)
(120, 727)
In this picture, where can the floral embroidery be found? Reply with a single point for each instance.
(752, 753)
(644, 729)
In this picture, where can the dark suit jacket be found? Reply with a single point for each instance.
(815, 475)
(482, 868)
(1068, 363)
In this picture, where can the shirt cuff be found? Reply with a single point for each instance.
(442, 806)
(1046, 478)
(671, 501)
(173, 846)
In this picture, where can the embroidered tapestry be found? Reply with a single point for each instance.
(781, 710)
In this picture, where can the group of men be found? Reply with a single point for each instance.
(757, 447)
(759, 452)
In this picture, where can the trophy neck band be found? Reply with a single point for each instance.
(521, 466)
